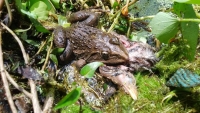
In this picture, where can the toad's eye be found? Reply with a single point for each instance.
(105, 55)
(114, 41)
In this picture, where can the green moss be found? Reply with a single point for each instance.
(74, 108)
(172, 58)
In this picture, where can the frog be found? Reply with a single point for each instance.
(86, 42)
(121, 56)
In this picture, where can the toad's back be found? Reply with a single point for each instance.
(92, 44)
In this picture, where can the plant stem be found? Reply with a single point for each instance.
(141, 18)
(11, 80)
(115, 21)
(9, 12)
(18, 41)
(4, 79)
(47, 57)
(189, 20)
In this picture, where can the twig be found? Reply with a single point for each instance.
(17, 86)
(132, 2)
(18, 41)
(118, 14)
(41, 46)
(47, 57)
(140, 18)
(49, 101)
(9, 12)
(115, 21)
(5, 82)
(1, 5)
(35, 102)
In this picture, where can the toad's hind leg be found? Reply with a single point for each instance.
(84, 17)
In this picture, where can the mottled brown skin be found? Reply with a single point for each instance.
(89, 43)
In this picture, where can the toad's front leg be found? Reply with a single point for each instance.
(61, 41)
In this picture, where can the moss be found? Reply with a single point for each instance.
(172, 58)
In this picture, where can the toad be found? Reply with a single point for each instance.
(85, 42)
(89, 43)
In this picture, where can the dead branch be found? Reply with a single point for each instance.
(5, 82)
(35, 102)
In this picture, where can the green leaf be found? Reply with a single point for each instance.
(40, 10)
(56, 3)
(188, 1)
(37, 25)
(20, 5)
(189, 30)
(115, 4)
(22, 30)
(15, 66)
(69, 99)
(30, 15)
(62, 20)
(24, 36)
(57, 51)
(49, 5)
(41, 61)
(164, 26)
(54, 58)
(89, 69)
(32, 42)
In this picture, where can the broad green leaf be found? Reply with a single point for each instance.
(28, 13)
(54, 58)
(48, 3)
(69, 99)
(40, 10)
(62, 20)
(57, 51)
(164, 26)
(89, 69)
(189, 30)
(37, 25)
(188, 1)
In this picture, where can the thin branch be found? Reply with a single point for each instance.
(35, 102)
(47, 57)
(5, 82)
(9, 12)
(132, 2)
(1, 5)
(140, 18)
(49, 100)
(118, 14)
(18, 41)
(115, 21)
(17, 86)
(41, 46)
